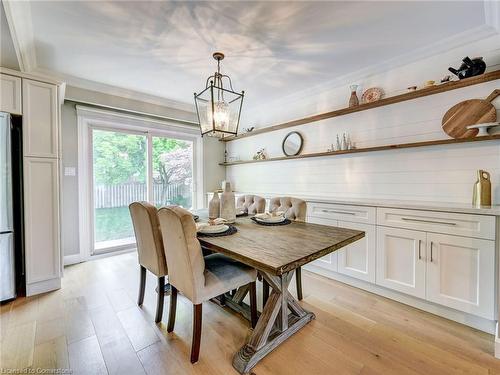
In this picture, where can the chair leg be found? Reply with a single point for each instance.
(298, 281)
(265, 292)
(195, 346)
(173, 308)
(142, 286)
(253, 304)
(160, 299)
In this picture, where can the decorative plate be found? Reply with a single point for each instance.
(372, 95)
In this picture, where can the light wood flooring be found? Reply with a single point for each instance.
(93, 326)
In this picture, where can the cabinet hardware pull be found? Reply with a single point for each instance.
(427, 221)
(419, 249)
(431, 249)
(338, 212)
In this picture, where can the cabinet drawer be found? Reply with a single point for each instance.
(479, 226)
(356, 214)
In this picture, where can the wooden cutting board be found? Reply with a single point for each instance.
(469, 112)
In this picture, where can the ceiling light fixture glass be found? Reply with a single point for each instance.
(218, 106)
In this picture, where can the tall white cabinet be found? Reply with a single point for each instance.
(37, 100)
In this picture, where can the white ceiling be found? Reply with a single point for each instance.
(272, 49)
(8, 56)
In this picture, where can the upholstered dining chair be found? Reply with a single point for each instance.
(295, 209)
(198, 278)
(253, 204)
(150, 250)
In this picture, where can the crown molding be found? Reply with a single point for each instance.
(118, 91)
(441, 46)
(18, 14)
(492, 14)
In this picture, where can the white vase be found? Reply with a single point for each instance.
(228, 204)
(214, 206)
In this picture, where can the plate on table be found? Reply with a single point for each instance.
(241, 213)
(210, 229)
(270, 219)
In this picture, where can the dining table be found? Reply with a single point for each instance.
(275, 252)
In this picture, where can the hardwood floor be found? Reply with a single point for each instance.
(93, 326)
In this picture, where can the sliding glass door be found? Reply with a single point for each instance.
(119, 165)
(133, 166)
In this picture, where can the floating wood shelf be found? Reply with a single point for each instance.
(491, 76)
(371, 149)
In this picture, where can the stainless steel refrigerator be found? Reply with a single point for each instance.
(7, 254)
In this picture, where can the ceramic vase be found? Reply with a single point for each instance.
(214, 206)
(353, 100)
(228, 204)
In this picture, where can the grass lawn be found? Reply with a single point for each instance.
(113, 224)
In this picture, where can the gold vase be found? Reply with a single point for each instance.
(482, 189)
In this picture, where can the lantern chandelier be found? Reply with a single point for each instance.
(218, 106)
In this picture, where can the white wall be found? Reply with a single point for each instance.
(437, 173)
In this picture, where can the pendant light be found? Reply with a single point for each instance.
(218, 106)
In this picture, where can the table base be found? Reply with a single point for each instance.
(275, 323)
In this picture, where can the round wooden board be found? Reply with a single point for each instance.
(468, 112)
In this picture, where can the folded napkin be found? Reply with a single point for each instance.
(200, 226)
(268, 215)
(217, 221)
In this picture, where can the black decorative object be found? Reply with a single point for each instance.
(284, 222)
(469, 68)
(231, 230)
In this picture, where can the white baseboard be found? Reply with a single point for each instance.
(470, 320)
(43, 286)
(72, 259)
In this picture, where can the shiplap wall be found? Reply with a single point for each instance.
(436, 173)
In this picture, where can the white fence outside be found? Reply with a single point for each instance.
(110, 196)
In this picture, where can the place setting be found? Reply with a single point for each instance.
(215, 228)
(271, 218)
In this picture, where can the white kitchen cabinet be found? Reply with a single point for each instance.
(329, 261)
(10, 94)
(401, 260)
(343, 212)
(461, 272)
(40, 119)
(358, 259)
(480, 226)
(41, 205)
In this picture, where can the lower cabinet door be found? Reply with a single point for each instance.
(461, 273)
(329, 261)
(41, 206)
(401, 260)
(358, 259)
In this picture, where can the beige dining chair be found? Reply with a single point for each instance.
(253, 204)
(198, 278)
(150, 250)
(295, 209)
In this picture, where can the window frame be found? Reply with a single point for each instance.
(90, 119)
